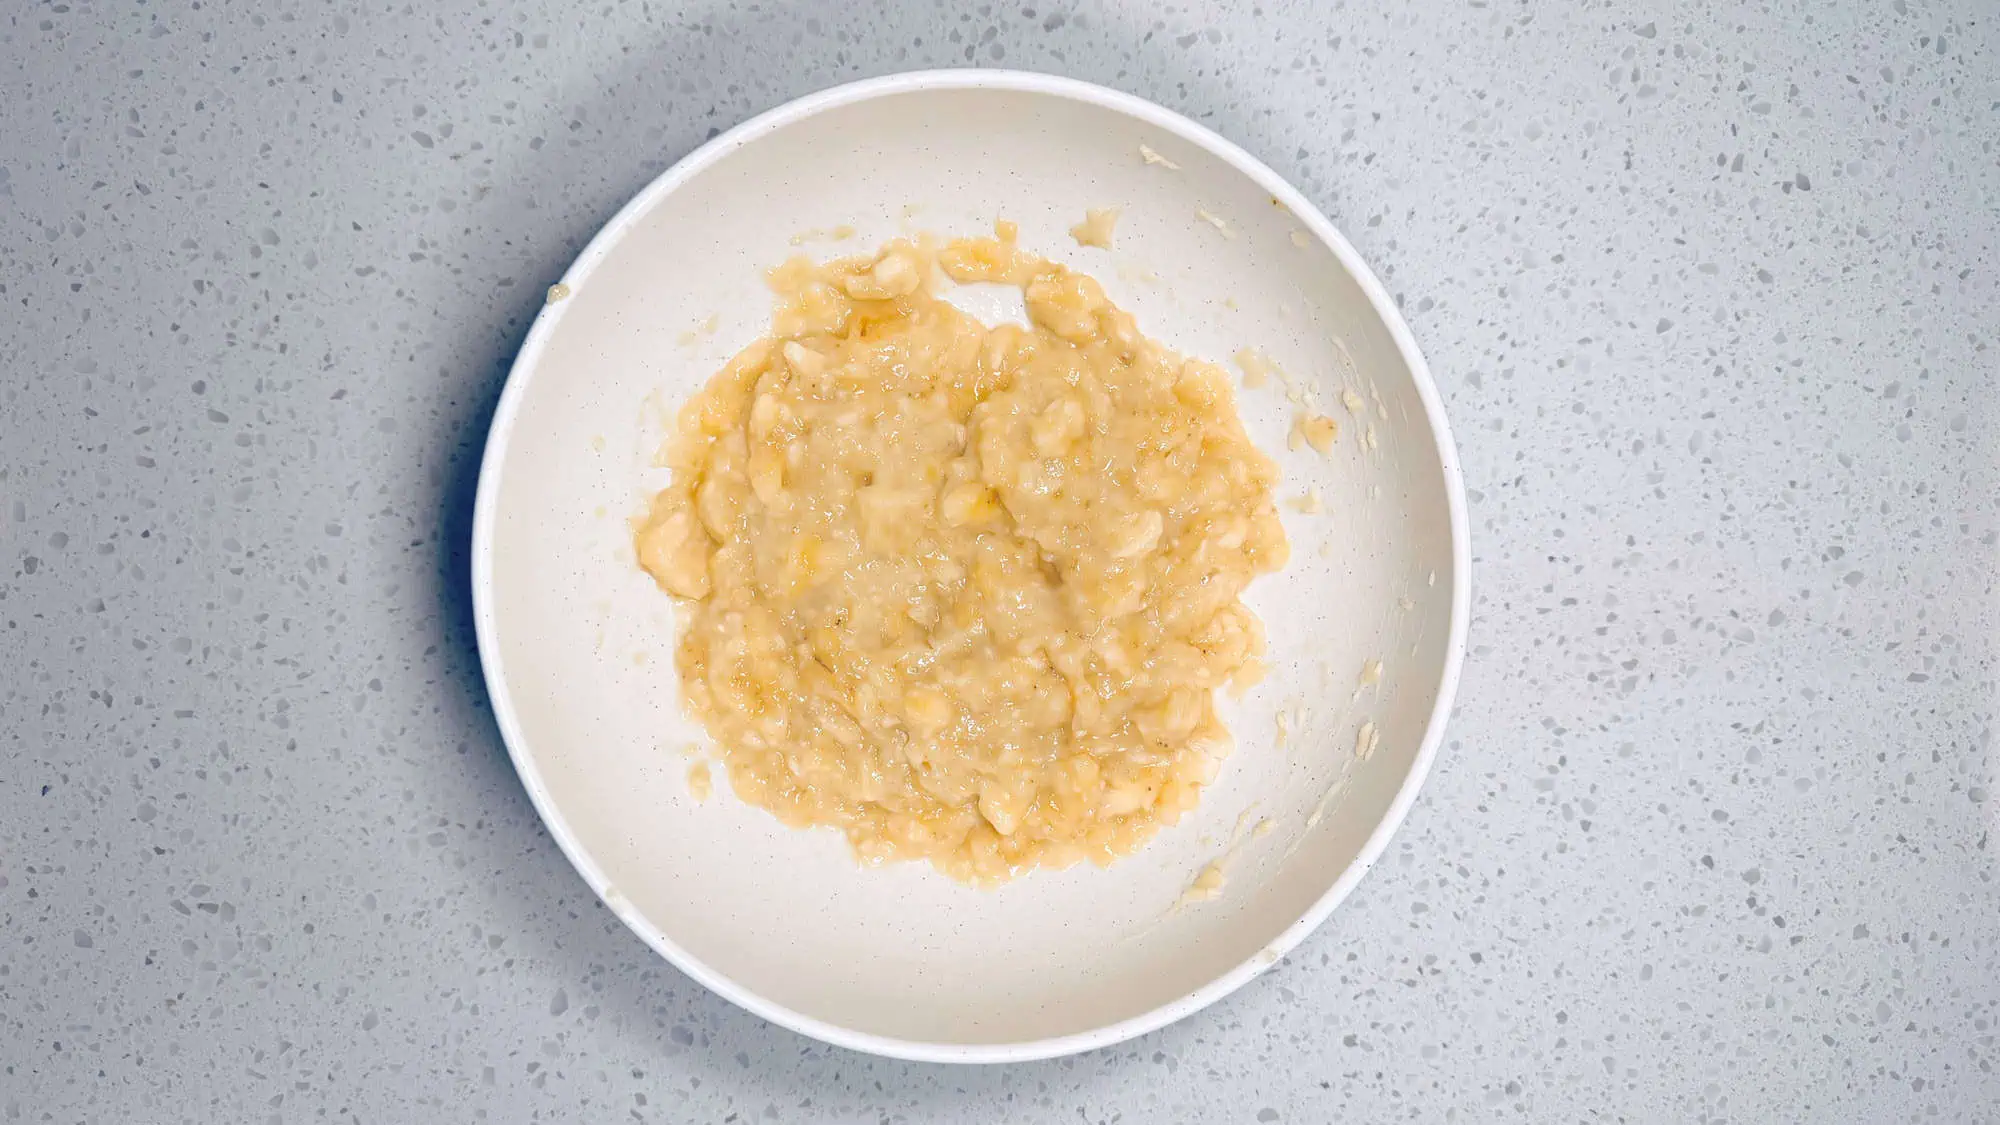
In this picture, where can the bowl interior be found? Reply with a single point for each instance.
(580, 643)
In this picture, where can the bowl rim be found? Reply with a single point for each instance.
(486, 503)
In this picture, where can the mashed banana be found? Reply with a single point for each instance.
(964, 593)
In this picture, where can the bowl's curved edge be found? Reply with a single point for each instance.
(487, 500)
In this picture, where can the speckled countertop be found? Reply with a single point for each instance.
(1712, 293)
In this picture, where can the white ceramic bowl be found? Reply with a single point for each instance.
(577, 643)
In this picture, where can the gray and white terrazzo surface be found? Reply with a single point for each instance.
(1712, 293)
